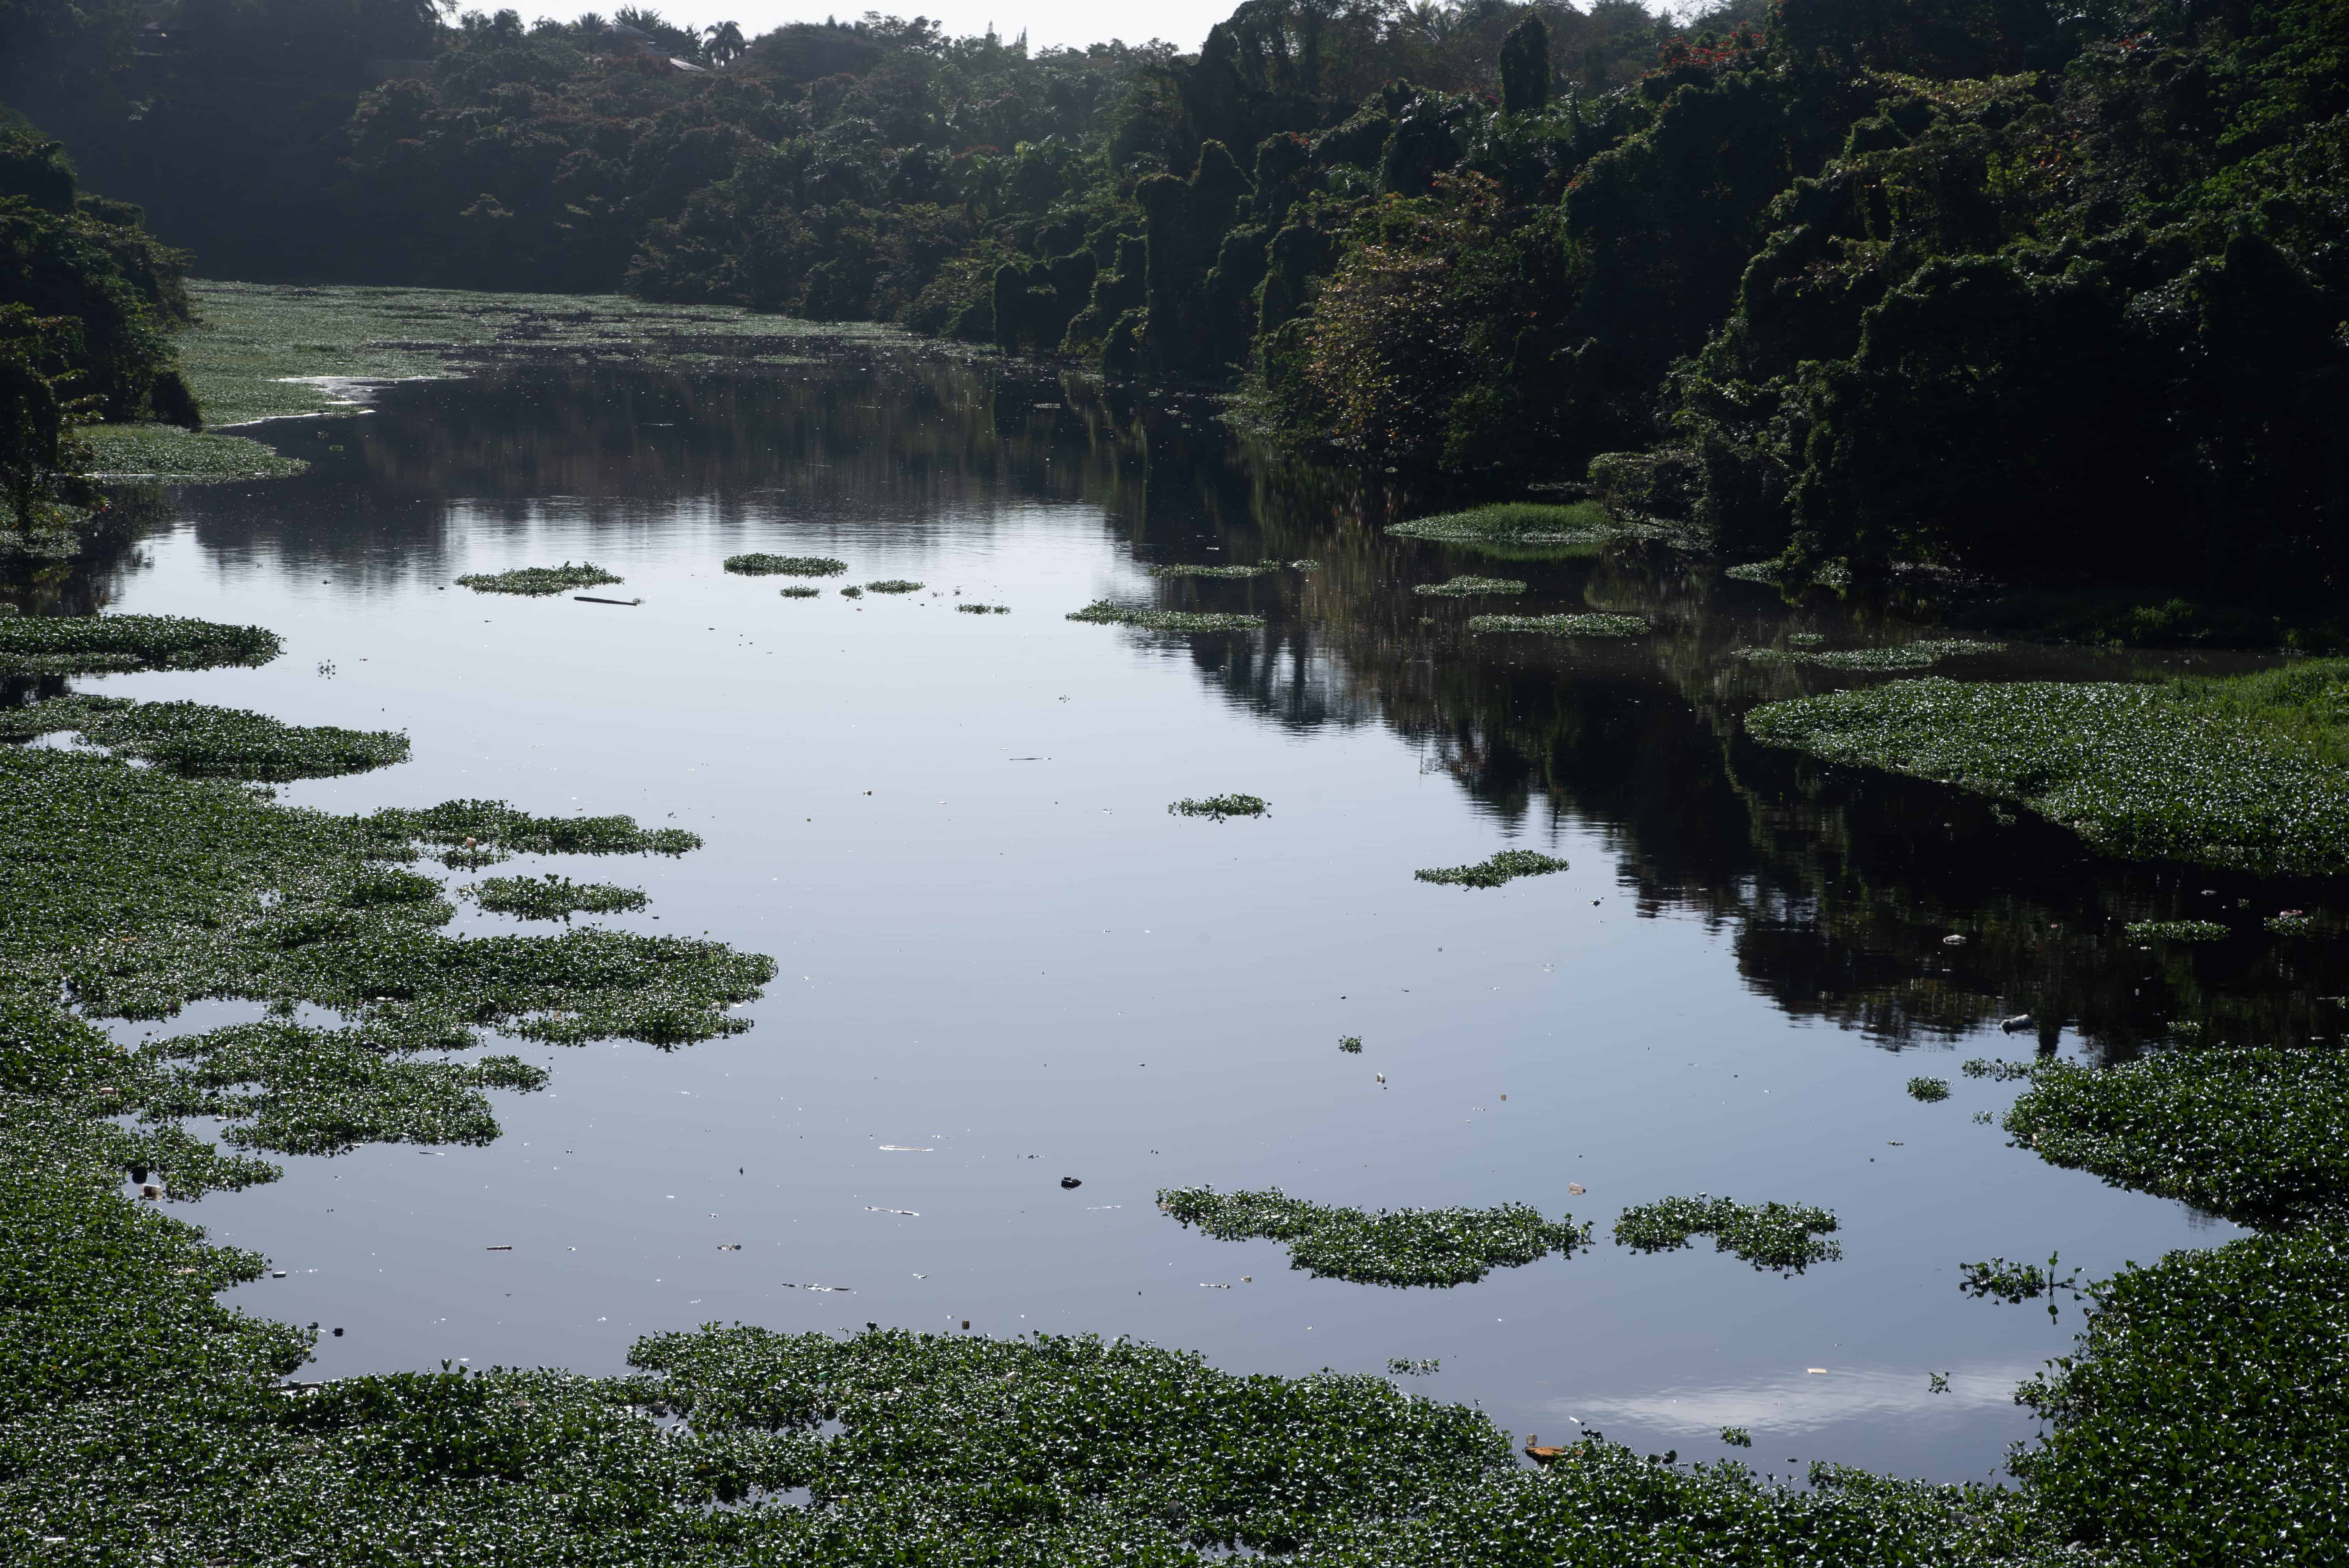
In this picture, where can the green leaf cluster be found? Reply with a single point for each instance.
(1390, 1247)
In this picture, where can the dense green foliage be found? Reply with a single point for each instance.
(539, 582)
(198, 742)
(2232, 772)
(1394, 1248)
(1104, 612)
(552, 897)
(1501, 866)
(56, 645)
(1582, 625)
(2204, 1419)
(2260, 1134)
(1471, 587)
(756, 565)
(1918, 655)
(1773, 1235)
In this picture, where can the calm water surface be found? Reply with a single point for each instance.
(1001, 962)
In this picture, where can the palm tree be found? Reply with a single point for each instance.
(725, 42)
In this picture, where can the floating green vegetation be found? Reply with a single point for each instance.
(475, 833)
(801, 591)
(2291, 922)
(1392, 1247)
(2195, 770)
(1102, 613)
(1929, 1089)
(197, 741)
(785, 566)
(851, 592)
(2015, 1283)
(892, 585)
(1737, 1437)
(1403, 1367)
(1523, 531)
(1506, 866)
(1995, 1070)
(1219, 807)
(1181, 569)
(1471, 587)
(1914, 656)
(1351, 1044)
(971, 607)
(552, 897)
(1306, 565)
(1588, 624)
(1781, 1236)
(539, 581)
(2260, 1135)
(1778, 574)
(68, 644)
(166, 454)
(2176, 931)
(2217, 1371)
(267, 350)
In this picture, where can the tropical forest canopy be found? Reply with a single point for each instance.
(1999, 285)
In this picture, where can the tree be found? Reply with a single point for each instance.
(1524, 66)
(30, 424)
(725, 42)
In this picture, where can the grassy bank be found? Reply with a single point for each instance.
(2249, 770)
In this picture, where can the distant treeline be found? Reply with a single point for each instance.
(1997, 283)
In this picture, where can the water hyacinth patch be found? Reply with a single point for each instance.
(2174, 930)
(1471, 587)
(2015, 1283)
(1917, 655)
(801, 591)
(1102, 613)
(1589, 624)
(1178, 569)
(166, 454)
(198, 741)
(1391, 1247)
(1737, 1437)
(2260, 1135)
(68, 644)
(2138, 770)
(892, 586)
(756, 565)
(1507, 865)
(2291, 922)
(2216, 1371)
(1218, 807)
(1781, 1236)
(552, 897)
(1528, 528)
(851, 592)
(1929, 1089)
(538, 581)
(972, 607)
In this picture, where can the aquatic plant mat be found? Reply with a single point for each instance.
(1518, 529)
(1781, 1236)
(755, 565)
(2246, 771)
(1504, 866)
(1219, 807)
(538, 581)
(1470, 587)
(198, 741)
(168, 455)
(1586, 625)
(1102, 613)
(264, 351)
(1917, 655)
(66, 645)
(1394, 1248)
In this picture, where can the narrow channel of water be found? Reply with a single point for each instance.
(1003, 963)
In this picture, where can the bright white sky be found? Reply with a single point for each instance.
(1049, 23)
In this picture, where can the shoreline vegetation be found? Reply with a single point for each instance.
(1858, 297)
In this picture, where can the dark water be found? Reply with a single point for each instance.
(997, 950)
